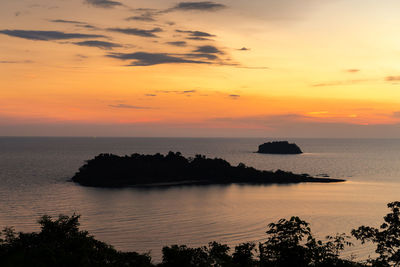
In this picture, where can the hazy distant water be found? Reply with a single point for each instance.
(33, 174)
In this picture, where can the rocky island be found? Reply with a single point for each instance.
(108, 170)
(279, 147)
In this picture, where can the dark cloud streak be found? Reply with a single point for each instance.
(149, 59)
(208, 49)
(76, 23)
(103, 3)
(234, 96)
(199, 39)
(149, 17)
(128, 106)
(66, 21)
(48, 35)
(198, 6)
(15, 61)
(196, 33)
(137, 32)
(202, 55)
(177, 43)
(98, 44)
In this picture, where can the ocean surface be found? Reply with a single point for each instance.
(34, 175)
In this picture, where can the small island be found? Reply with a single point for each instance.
(279, 147)
(108, 170)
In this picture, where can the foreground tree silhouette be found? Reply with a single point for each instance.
(61, 243)
(386, 238)
(290, 243)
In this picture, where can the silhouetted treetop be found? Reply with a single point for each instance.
(386, 238)
(138, 170)
(60, 242)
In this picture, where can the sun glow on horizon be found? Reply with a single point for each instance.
(279, 64)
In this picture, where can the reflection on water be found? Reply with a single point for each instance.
(33, 177)
(147, 219)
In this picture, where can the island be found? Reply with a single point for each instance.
(108, 170)
(279, 147)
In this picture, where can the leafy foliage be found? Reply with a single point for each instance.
(290, 243)
(386, 238)
(61, 243)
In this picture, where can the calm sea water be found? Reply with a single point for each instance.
(34, 174)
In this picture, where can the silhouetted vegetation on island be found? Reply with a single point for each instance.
(279, 147)
(107, 170)
(290, 242)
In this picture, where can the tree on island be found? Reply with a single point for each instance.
(279, 147)
(108, 170)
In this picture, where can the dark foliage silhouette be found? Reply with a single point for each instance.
(244, 255)
(386, 238)
(290, 243)
(61, 243)
(173, 168)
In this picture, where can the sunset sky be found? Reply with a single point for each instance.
(265, 68)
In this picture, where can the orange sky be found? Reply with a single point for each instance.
(226, 68)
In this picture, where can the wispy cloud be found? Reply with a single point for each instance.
(189, 92)
(353, 70)
(196, 33)
(336, 83)
(48, 35)
(66, 21)
(74, 22)
(15, 61)
(81, 56)
(98, 44)
(202, 55)
(177, 43)
(149, 17)
(263, 120)
(103, 3)
(392, 78)
(199, 39)
(198, 6)
(146, 14)
(244, 49)
(234, 96)
(208, 49)
(138, 32)
(149, 59)
(128, 106)
(251, 67)
(185, 92)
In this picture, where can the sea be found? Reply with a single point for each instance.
(35, 174)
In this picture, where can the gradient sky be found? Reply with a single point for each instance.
(265, 68)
